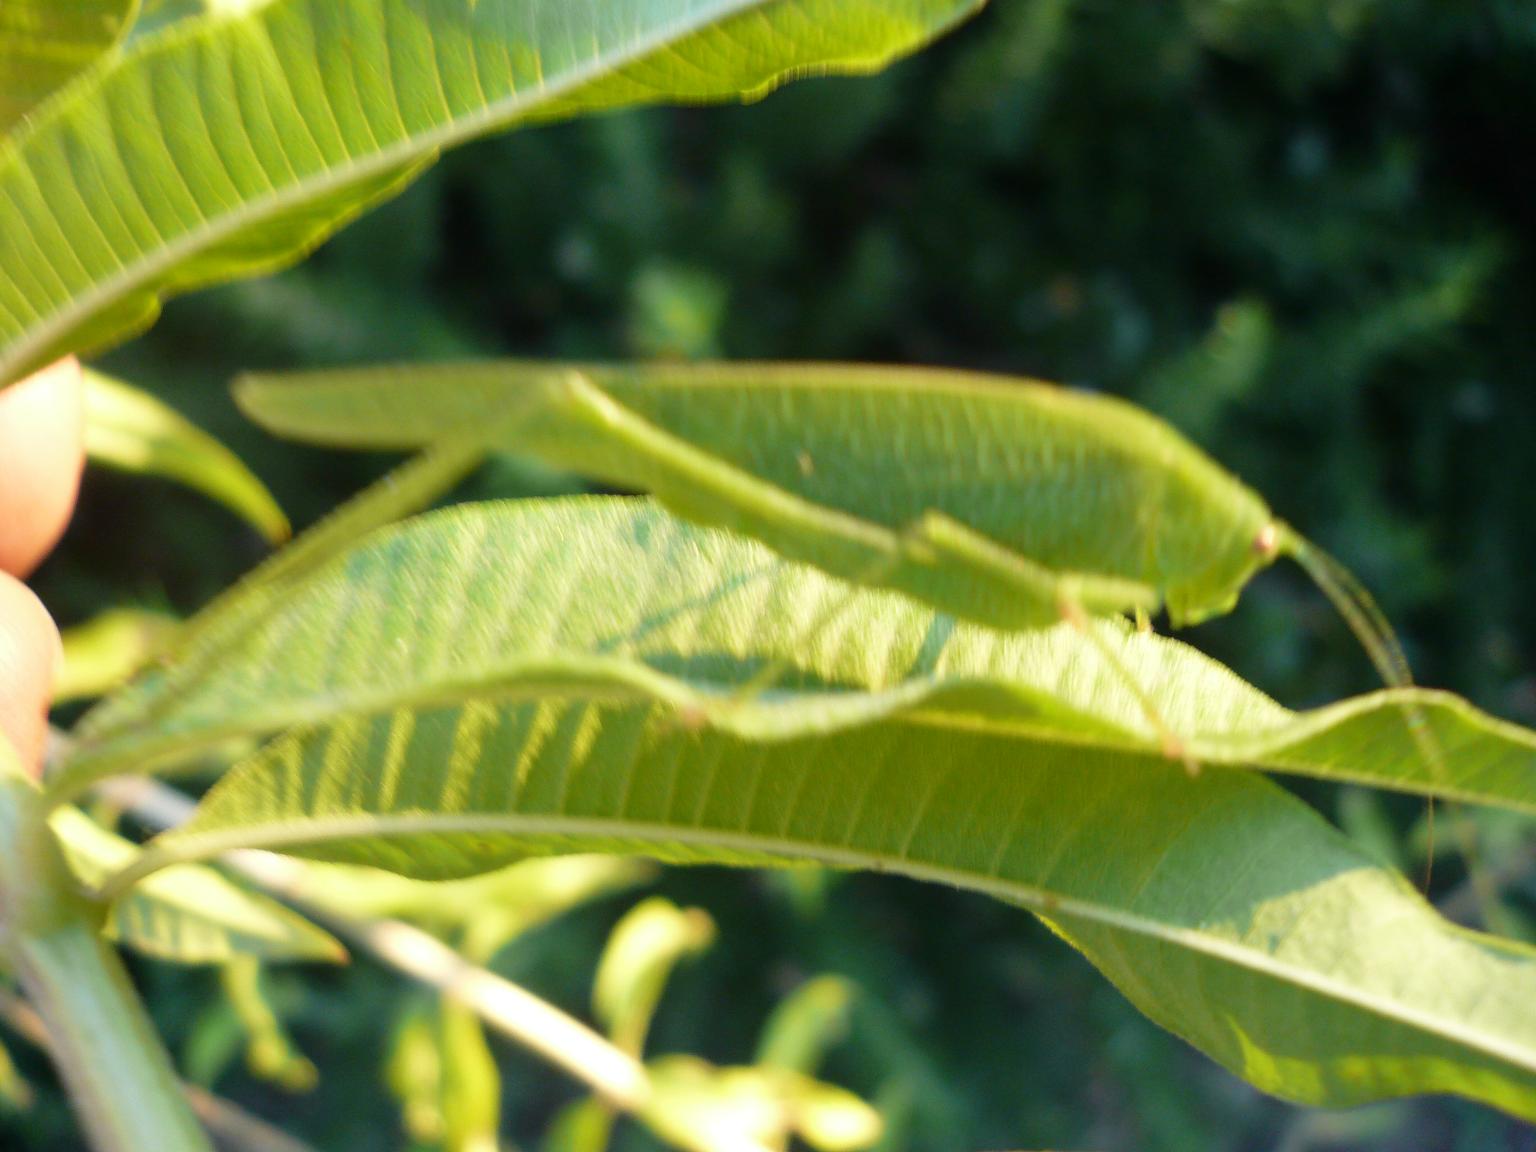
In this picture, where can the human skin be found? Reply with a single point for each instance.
(41, 456)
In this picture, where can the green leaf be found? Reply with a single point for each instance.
(222, 148)
(1223, 907)
(585, 1126)
(108, 649)
(16, 1094)
(414, 1074)
(131, 431)
(44, 43)
(471, 1081)
(270, 1052)
(646, 945)
(189, 914)
(444, 1075)
(806, 1024)
(509, 601)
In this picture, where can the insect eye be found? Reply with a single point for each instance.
(1267, 542)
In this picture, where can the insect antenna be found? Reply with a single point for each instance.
(1371, 628)
(1358, 607)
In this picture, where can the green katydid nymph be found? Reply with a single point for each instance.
(1010, 502)
(1013, 503)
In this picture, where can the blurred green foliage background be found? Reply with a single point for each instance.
(1302, 230)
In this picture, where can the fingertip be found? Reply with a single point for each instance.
(42, 453)
(30, 658)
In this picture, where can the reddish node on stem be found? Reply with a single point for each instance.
(1267, 542)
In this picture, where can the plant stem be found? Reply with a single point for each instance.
(229, 1123)
(620, 1080)
(106, 1050)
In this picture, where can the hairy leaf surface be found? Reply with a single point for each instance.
(226, 147)
(613, 598)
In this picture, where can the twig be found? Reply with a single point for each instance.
(230, 1124)
(565, 1041)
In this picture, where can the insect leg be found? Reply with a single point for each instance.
(1173, 747)
(1041, 599)
(935, 558)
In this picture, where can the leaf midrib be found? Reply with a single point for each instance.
(104, 292)
(632, 678)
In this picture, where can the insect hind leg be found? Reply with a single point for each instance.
(1043, 597)
(1040, 598)
(1173, 746)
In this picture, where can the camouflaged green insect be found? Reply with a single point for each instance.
(1009, 502)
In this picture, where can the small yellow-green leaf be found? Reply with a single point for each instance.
(16, 1095)
(445, 1077)
(191, 914)
(697, 1106)
(653, 938)
(808, 1022)
(471, 1083)
(270, 1052)
(585, 1126)
(414, 1073)
(129, 430)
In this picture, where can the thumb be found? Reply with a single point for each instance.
(29, 661)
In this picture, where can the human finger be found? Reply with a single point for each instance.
(42, 452)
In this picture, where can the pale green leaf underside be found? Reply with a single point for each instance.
(189, 914)
(221, 148)
(1226, 909)
(1055, 494)
(613, 598)
(44, 43)
(129, 430)
(403, 491)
